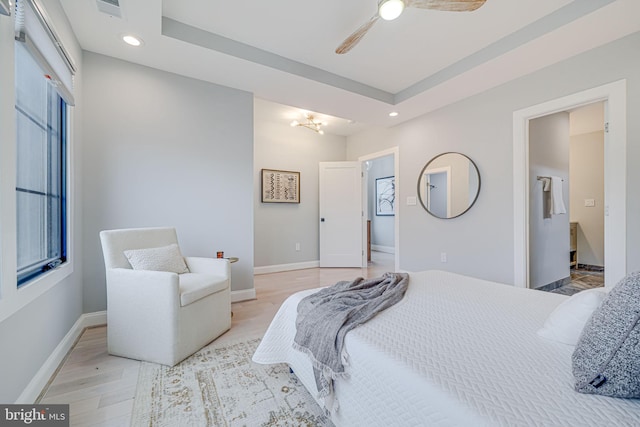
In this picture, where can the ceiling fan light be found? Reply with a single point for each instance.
(390, 9)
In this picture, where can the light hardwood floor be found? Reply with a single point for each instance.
(100, 388)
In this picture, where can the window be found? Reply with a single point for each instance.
(41, 169)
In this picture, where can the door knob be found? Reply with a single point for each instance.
(321, 219)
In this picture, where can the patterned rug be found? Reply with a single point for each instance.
(221, 386)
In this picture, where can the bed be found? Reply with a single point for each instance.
(456, 351)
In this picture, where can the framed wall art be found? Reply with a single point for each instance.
(280, 186)
(385, 196)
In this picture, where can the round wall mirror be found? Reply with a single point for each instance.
(448, 185)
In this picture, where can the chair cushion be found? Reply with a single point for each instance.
(196, 286)
(606, 360)
(165, 258)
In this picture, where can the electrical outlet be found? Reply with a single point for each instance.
(443, 257)
(297, 246)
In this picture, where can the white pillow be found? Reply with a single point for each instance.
(165, 258)
(566, 322)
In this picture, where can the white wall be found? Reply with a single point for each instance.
(30, 334)
(382, 227)
(587, 182)
(480, 242)
(161, 149)
(279, 226)
(548, 234)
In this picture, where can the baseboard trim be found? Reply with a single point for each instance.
(555, 285)
(385, 249)
(286, 267)
(50, 366)
(97, 318)
(243, 295)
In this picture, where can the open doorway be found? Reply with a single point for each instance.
(614, 97)
(381, 213)
(566, 200)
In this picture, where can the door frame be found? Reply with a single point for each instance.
(447, 170)
(395, 151)
(614, 96)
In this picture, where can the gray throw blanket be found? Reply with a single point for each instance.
(324, 318)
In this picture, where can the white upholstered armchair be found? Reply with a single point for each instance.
(162, 316)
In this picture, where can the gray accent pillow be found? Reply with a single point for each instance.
(606, 360)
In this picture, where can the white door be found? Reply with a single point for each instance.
(340, 214)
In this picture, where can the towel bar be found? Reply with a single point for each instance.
(544, 177)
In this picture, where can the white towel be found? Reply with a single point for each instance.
(556, 206)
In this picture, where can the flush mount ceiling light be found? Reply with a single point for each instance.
(132, 40)
(390, 9)
(393, 114)
(310, 123)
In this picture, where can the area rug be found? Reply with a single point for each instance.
(221, 386)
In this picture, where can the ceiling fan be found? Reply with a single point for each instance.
(391, 9)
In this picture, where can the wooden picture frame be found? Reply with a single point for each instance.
(385, 196)
(278, 186)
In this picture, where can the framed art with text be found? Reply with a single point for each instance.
(385, 196)
(280, 186)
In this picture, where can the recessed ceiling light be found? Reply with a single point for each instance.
(393, 114)
(132, 40)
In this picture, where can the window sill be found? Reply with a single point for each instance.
(13, 300)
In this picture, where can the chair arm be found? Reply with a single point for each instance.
(216, 266)
(157, 288)
(143, 314)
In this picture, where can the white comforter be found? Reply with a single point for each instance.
(456, 351)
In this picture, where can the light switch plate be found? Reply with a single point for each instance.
(589, 203)
(411, 201)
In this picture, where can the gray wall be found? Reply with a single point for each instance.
(31, 334)
(548, 234)
(587, 182)
(480, 242)
(279, 226)
(161, 149)
(382, 227)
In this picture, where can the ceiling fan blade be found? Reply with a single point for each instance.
(354, 38)
(446, 5)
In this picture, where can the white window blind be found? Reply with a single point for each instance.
(34, 29)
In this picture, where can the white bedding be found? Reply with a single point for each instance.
(456, 351)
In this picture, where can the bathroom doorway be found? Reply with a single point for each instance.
(614, 97)
(566, 200)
